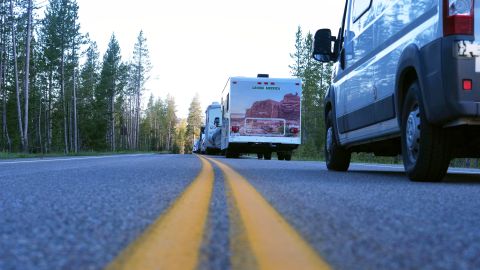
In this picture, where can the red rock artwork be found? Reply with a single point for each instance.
(270, 117)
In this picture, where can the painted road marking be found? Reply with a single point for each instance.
(275, 243)
(70, 159)
(174, 240)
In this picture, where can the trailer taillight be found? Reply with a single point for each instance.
(294, 130)
(235, 129)
(458, 16)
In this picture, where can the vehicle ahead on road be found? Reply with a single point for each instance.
(405, 81)
(261, 115)
(212, 132)
(197, 145)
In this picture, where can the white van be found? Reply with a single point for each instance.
(212, 130)
(406, 81)
(261, 115)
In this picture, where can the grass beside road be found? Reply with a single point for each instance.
(6, 155)
(356, 158)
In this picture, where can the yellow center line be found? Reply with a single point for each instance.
(174, 240)
(274, 242)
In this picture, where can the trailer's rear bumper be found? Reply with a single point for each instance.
(267, 140)
(250, 147)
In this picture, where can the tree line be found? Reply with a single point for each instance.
(58, 95)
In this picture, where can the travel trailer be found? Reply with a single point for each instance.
(261, 115)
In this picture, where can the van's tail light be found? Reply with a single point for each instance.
(235, 129)
(294, 130)
(458, 17)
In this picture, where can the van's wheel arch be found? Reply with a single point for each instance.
(426, 148)
(337, 158)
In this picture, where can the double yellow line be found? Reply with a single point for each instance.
(174, 240)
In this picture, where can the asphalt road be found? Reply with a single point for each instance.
(92, 213)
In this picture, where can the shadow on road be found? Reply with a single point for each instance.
(458, 178)
(451, 178)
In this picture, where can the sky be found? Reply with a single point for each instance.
(195, 46)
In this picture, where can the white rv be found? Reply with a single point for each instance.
(261, 115)
(212, 131)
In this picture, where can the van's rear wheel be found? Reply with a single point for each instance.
(337, 157)
(259, 155)
(426, 148)
(281, 155)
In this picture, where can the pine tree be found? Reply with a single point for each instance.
(89, 79)
(107, 90)
(16, 74)
(181, 137)
(141, 66)
(171, 121)
(194, 123)
(297, 68)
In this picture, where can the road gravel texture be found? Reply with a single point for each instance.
(79, 214)
(373, 217)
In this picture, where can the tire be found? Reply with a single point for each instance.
(426, 149)
(267, 156)
(337, 158)
(259, 156)
(280, 155)
(288, 156)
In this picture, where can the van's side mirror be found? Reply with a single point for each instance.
(322, 46)
(202, 129)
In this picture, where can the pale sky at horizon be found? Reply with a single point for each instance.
(195, 46)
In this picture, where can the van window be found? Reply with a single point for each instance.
(360, 7)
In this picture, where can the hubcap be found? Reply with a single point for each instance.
(413, 134)
(329, 140)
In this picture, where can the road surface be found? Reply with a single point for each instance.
(189, 212)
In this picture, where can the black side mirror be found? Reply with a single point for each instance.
(202, 129)
(322, 46)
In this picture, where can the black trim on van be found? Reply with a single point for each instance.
(374, 113)
(427, 15)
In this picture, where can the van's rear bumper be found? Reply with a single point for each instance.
(444, 67)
